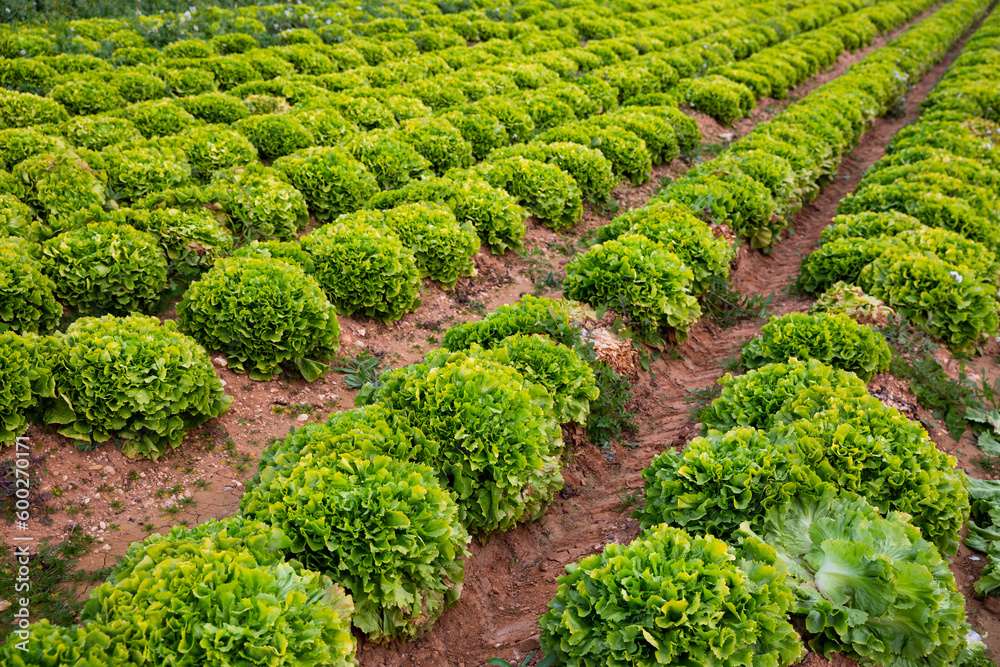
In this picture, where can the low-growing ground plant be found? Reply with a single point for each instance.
(27, 296)
(262, 314)
(502, 473)
(132, 379)
(688, 597)
(364, 269)
(383, 528)
(639, 278)
(910, 609)
(106, 267)
(560, 369)
(836, 340)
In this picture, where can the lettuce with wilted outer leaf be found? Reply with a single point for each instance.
(670, 598)
(868, 586)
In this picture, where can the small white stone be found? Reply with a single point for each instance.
(108, 470)
(302, 418)
(102, 525)
(221, 361)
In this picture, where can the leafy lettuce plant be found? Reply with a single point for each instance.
(384, 528)
(97, 132)
(945, 299)
(221, 606)
(15, 216)
(719, 97)
(26, 109)
(839, 261)
(105, 267)
(721, 481)
(686, 236)
(364, 269)
(627, 151)
(496, 442)
(19, 144)
(530, 315)
(27, 295)
(868, 586)
(274, 135)
(589, 168)
(984, 531)
(753, 399)
(17, 377)
(860, 445)
(192, 238)
(442, 248)
(547, 191)
(84, 97)
(640, 278)
(266, 543)
(59, 185)
(214, 147)
(439, 143)
(48, 645)
(134, 173)
(131, 378)
(495, 214)
(216, 108)
(868, 225)
(260, 205)
(852, 301)
(262, 313)
(565, 374)
(670, 598)
(159, 118)
(836, 340)
(330, 179)
(392, 161)
(733, 199)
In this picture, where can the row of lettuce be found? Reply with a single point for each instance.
(919, 232)
(274, 305)
(651, 264)
(640, 52)
(380, 500)
(119, 223)
(919, 235)
(805, 496)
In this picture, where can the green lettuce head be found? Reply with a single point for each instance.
(670, 598)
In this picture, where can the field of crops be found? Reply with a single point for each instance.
(584, 332)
